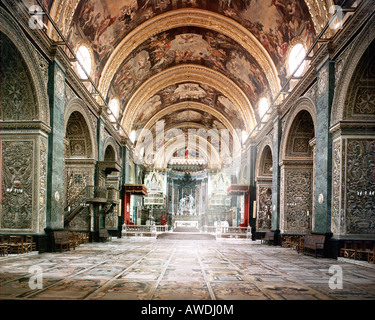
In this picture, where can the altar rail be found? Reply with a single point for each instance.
(228, 232)
(219, 232)
(143, 231)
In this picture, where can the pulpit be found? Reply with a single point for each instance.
(135, 189)
(242, 190)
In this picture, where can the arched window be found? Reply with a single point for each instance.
(114, 108)
(296, 56)
(84, 57)
(263, 107)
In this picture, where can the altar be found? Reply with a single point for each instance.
(185, 224)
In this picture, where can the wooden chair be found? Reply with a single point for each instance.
(371, 254)
(62, 240)
(348, 251)
(286, 241)
(313, 243)
(73, 239)
(3, 246)
(31, 243)
(298, 242)
(16, 244)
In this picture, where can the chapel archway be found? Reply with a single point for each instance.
(297, 178)
(353, 148)
(264, 187)
(79, 169)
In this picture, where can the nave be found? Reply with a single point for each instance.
(149, 269)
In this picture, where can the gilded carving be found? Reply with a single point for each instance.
(298, 201)
(18, 169)
(264, 218)
(360, 185)
(17, 99)
(42, 185)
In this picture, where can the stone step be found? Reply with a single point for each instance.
(186, 236)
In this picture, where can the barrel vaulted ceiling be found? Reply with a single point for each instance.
(202, 63)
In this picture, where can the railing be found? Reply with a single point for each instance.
(144, 229)
(89, 194)
(236, 232)
(220, 232)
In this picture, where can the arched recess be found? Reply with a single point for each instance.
(23, 131)
(36, 65)
(297, 170)
(263, 180)
(349, 67)
(353, 147)
(79, 165)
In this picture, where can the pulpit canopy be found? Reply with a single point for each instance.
(238, 189)
(139, 189)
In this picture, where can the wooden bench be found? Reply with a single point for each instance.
(62, 240)
(103, 234)
(268, 237)
(313, 242)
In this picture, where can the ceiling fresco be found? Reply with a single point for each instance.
(153, 66)
(199, 46)
(187, 91)
(274, 22)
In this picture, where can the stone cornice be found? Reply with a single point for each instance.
(363, 127)
(19, 127)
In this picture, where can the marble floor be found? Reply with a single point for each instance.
(150, 269)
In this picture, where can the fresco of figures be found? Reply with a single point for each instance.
(199, 46)
(105, 23)
(188, 91)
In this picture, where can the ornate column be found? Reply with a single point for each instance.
(276, 175)
(323, 149)
(56, 90)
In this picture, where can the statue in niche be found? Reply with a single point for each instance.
(187, 205)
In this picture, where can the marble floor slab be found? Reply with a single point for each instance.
(165, 269)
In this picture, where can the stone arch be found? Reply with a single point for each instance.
(302, 104)
(110, 150)
(353, 146)
(297, 169)
(357, 49)
(77, 105)
(263, 178)
(262, 148)
(80, 159)
(36, 65)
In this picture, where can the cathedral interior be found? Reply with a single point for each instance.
(195, 149)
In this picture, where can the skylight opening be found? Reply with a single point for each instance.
(263, 108)
(114, 108)
(84, 57)
(296, 56)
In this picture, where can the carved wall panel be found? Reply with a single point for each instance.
(338, 219)
(77, 178)
(360, 186)
(296, 203)
(264, 218)
(42, 184)
(18, 179)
